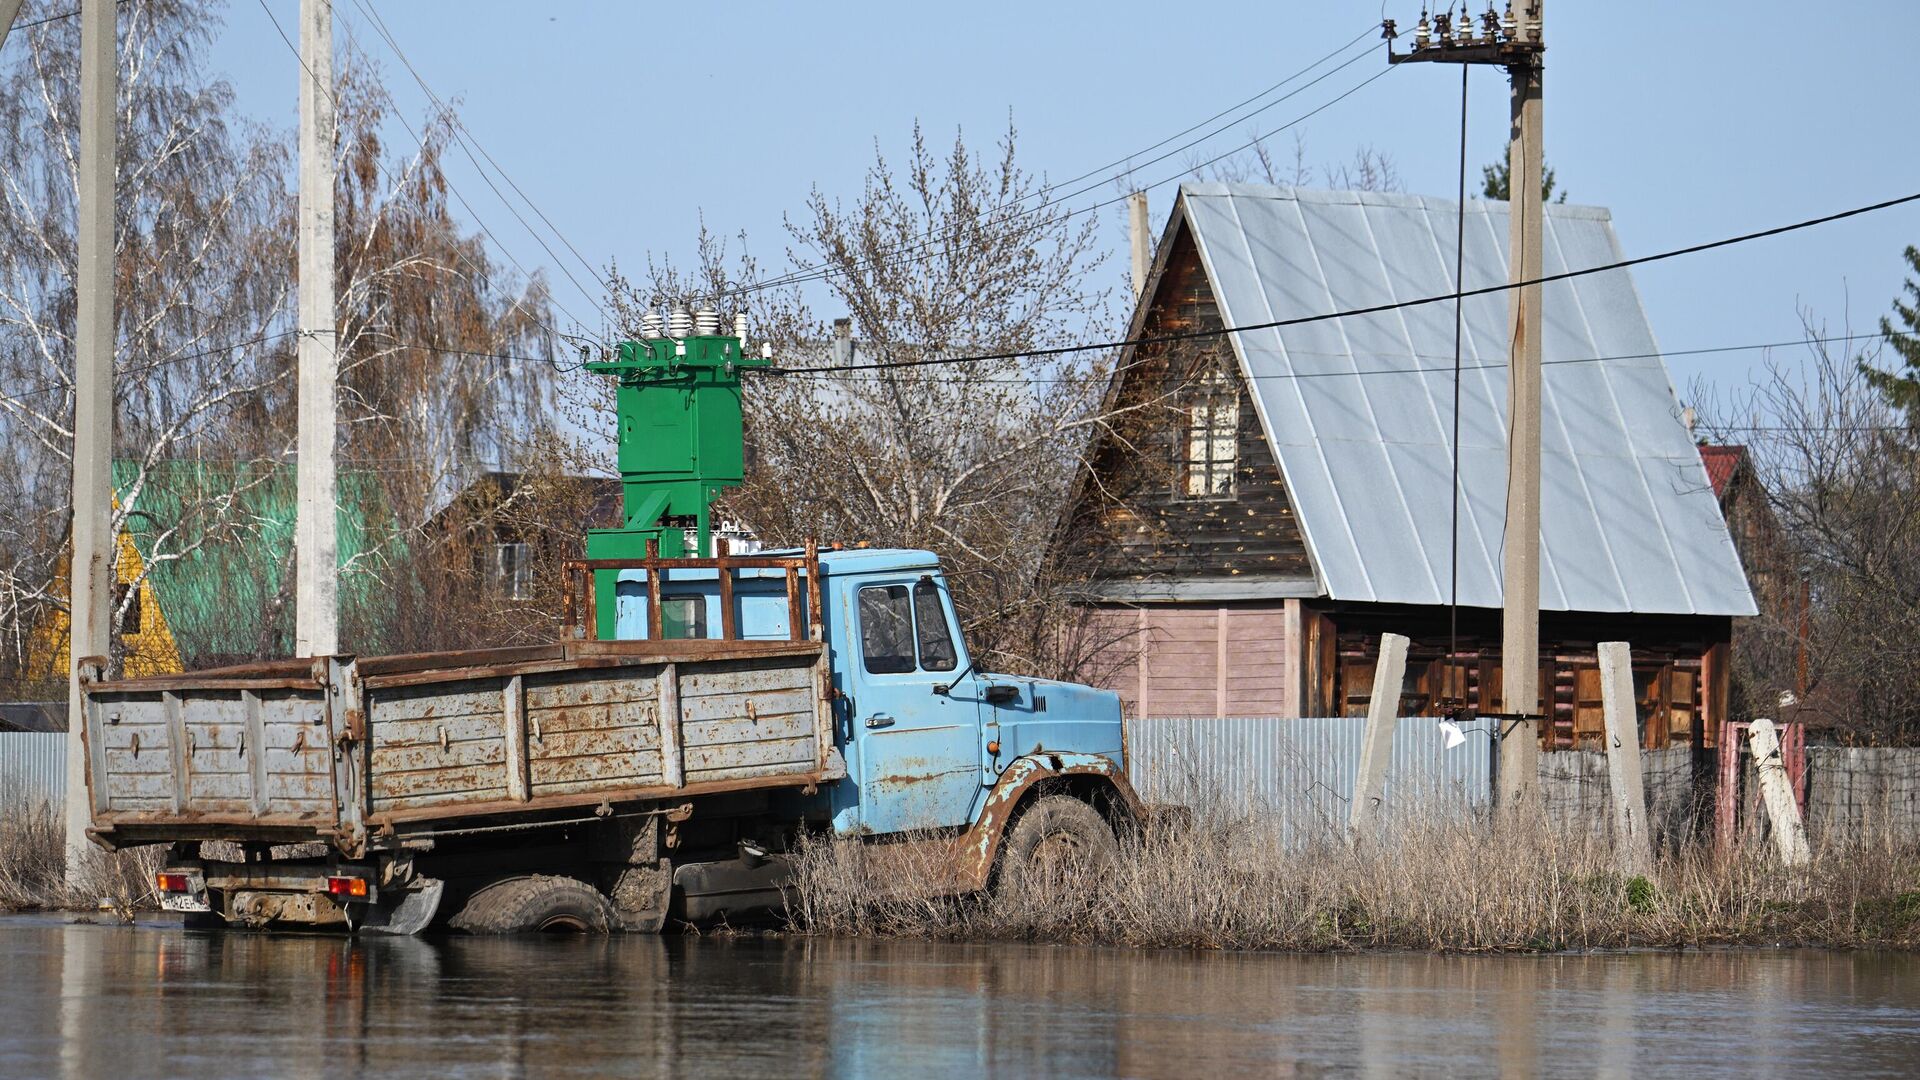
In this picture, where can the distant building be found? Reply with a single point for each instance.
(516, 524)
(141, 626)
(1273, 500)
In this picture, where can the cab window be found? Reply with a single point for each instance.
(936, 638)
(683, 617)
(886, 630)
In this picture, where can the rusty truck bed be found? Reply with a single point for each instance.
(354, 751)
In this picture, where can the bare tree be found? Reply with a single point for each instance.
(878, 432)
(203, 333)
(1842, 472)
(205, 336)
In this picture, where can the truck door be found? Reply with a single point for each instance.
(919, 752)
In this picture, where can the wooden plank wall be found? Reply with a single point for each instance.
(1197, 660)
(1136, 524)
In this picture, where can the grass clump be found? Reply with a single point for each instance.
(33, 865)
(1230, 882)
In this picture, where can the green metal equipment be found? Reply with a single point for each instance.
(681, 446)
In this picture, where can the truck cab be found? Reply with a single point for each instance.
(925, 734)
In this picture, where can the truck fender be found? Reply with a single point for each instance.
(979, 846)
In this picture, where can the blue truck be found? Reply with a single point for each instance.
(698, 719)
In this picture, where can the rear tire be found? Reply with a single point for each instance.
(542, 903)
(1055, 838)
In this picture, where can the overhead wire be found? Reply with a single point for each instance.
(1044, 379)
(1375, 309)
(469, 144)
(326, 87)
(45, 19)
(47, 388)
(1017, 208)
(1104, 203)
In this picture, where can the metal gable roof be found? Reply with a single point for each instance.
(1358, 410)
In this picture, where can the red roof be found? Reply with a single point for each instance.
(1722, 462)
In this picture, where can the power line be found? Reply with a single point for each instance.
(1376, 309)
(428, 346)
(326, 87)
(460, 127)
(823, 274)
(44, 20)
(184, 357)
(819, 271)
(1286, 375)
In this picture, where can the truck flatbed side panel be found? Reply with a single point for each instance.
(319, 749)
(222, 753)
(593, 730)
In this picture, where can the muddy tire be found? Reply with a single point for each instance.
(1055, 840)
(533, 904)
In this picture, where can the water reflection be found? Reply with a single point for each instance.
(85, 1001)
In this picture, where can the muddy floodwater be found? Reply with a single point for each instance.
(100, 1001)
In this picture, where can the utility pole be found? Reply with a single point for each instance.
(8, 10)
(90, 565)
(1137, 232)
(1514, 41)
(316, 571)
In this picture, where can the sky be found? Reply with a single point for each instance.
(627, 124)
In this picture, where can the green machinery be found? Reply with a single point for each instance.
(681, 446)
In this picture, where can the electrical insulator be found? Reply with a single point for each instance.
(679, 322)
(1423, 33)
(1490, 25)
(1443, 27)
(1507, 24)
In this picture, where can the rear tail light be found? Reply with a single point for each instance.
(347, 888)
(173, 882)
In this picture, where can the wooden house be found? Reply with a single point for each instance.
(1269, 501)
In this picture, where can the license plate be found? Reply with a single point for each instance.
(184, 902)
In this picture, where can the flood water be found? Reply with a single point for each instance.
(100, 1001)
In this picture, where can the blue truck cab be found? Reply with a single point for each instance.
(929, 740)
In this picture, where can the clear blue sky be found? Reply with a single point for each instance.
(625, 122)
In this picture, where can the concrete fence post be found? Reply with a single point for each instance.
(1632, 840)
(1776, 792)
(1383, 711)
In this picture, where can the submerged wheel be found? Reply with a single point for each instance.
(1057, 836)
(542, 903)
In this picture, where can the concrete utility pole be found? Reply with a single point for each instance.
(1776, 793)
(8, 10)
(90, 566)
(1376, 748)
(1142, 246)
(1516, 42)
(1520, 562)
(1632, 836)
(316, 568)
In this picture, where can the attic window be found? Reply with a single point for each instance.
(513, 570)
(1211, 446)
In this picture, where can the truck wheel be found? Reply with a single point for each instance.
(1055, 836)
(539, 903)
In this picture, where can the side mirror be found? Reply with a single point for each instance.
(1002, 694)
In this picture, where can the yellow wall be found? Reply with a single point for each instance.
(149, 651)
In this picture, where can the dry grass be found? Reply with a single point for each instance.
(33, 866)
(1227, 883)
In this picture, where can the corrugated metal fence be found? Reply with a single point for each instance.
(1299, 773)
(33, 767)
